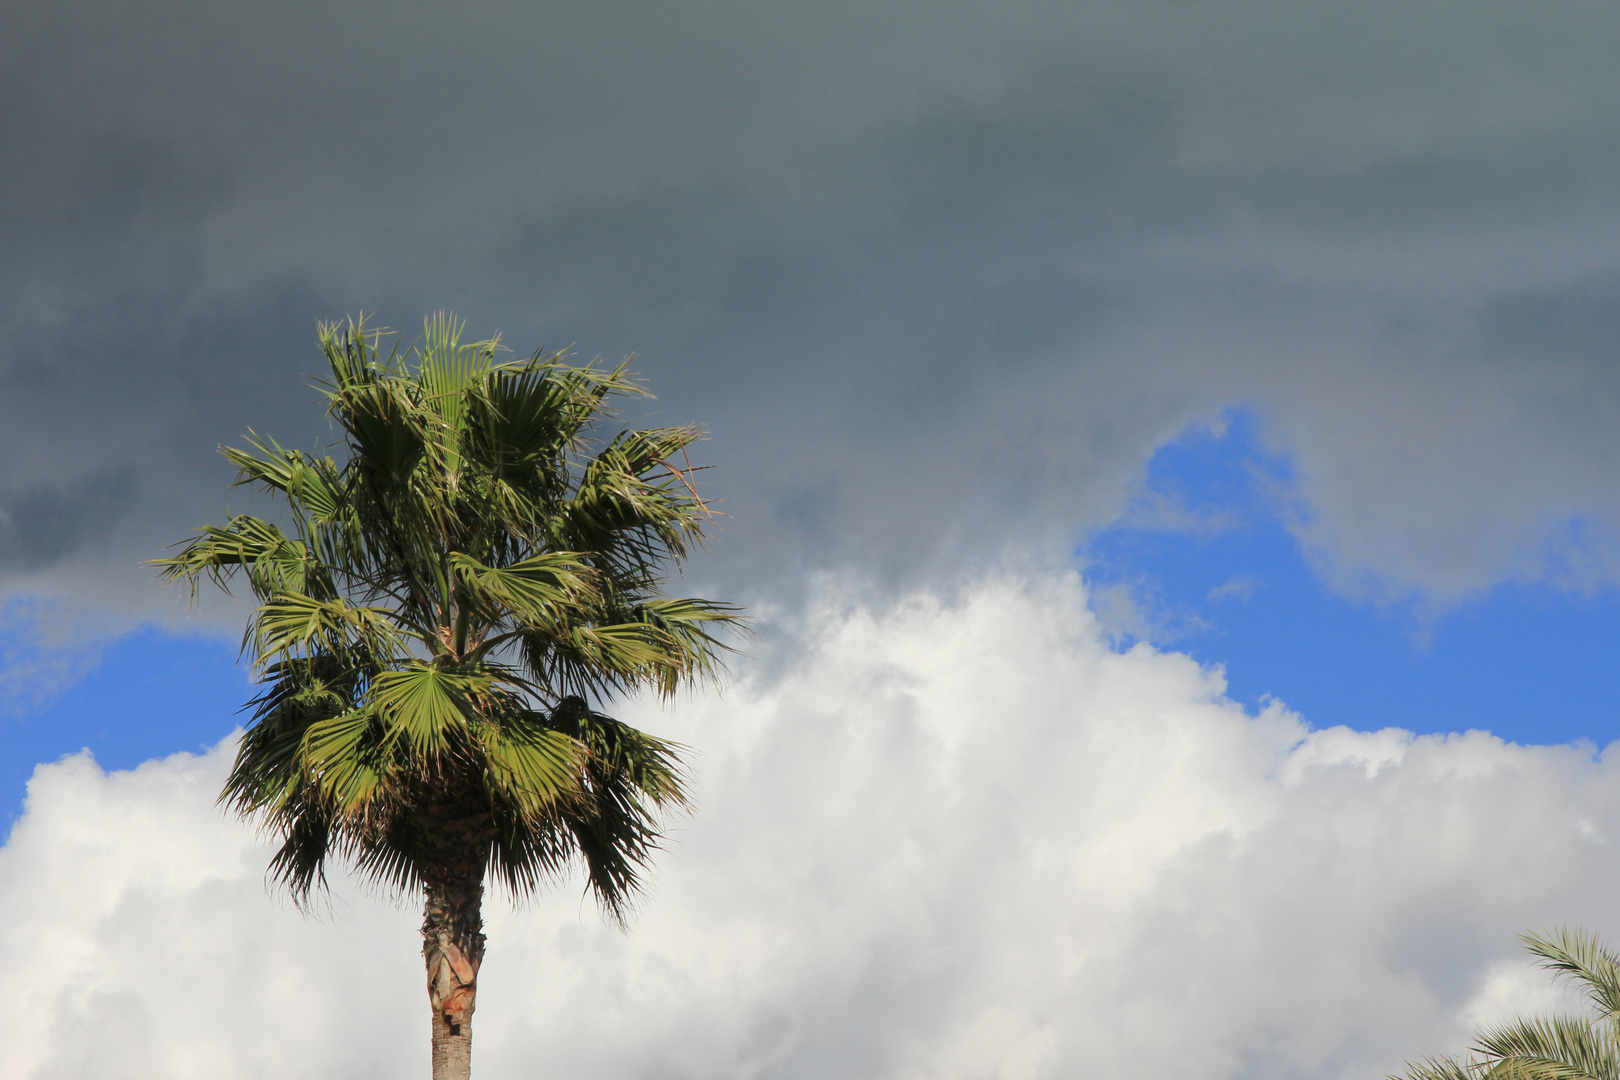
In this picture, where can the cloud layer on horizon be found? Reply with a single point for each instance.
(937, 837)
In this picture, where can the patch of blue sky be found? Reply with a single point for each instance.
(1204, 563)
(151, 693)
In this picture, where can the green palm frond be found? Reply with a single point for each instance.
(1549, 1047)
(346, 760)
(532, 767)
(311, 484)
(427, 706)
(519, 425)
(307, 840)
(272, 561)
(615, 830)
(1579, 956)
(685, 627)
(445, 606)
(295, 624)
(536, 591)
(1436, 1068)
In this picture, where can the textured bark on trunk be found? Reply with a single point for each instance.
(453, 947)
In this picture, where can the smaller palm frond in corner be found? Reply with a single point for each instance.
(1548, 1047)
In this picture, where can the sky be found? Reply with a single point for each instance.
(1167, 450)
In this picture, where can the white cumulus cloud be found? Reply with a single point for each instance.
(942, 838)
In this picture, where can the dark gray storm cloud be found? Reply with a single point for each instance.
(939, 278)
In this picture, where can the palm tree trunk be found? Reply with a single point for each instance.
(453, 947)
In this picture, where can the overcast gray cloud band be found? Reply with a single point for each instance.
(937, 278)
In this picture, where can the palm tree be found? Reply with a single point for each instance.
(439, 617)
(1549, 1047)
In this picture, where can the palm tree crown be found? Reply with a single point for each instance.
(440, 616)
(1549, 1047)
